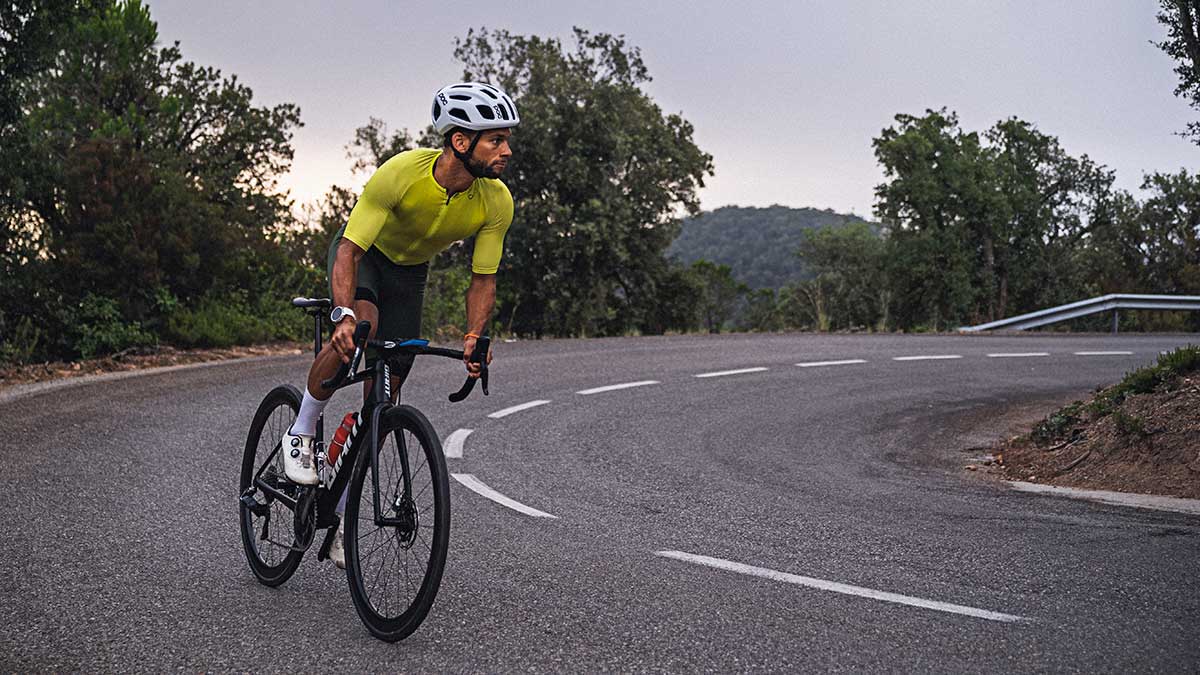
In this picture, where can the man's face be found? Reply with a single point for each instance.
(491, 153)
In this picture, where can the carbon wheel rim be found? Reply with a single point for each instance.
(394, 561)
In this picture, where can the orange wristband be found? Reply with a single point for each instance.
(471, 335)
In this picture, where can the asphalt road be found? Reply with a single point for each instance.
(793, 518)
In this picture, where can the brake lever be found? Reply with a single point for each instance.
(361, 330)
(479, 356)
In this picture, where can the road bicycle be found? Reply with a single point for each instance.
(397, 516)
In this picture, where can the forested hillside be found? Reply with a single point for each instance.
(758, 244)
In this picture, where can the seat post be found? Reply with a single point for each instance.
(316, 332)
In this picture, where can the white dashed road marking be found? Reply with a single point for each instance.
(1103, 353)
(838, 587)
(815, 364)
(936, 357)
(453, 446)
(477, 486)
(1017, 355)
(732, 372)
(615, 387)
(516, 408)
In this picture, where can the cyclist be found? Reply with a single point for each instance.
(417, 204)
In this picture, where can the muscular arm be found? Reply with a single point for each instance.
(345, 273)
(481, 300)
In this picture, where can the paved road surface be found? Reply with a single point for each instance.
(792, 518)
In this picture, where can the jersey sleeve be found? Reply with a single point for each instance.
(379, 197)
(489, 242)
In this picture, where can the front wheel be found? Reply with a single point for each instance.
(267, 522)
(394, 564)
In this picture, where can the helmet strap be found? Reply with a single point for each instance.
(465, 156)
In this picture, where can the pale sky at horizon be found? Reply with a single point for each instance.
(786, 96)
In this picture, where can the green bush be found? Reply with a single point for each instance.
(231, 318)
(1144, 380)
(97, 328)
(444, 316)
(1057, 424)
(21, 343)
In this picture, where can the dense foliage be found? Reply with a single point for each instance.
(138, 201)
(758, 244)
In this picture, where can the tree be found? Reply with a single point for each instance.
(1182, 19)
(599, 175)
(147, 179)
(984, 227)
(850, 287)
(719, 293)
(1169, 224)
(1046, 204)
(935, 197)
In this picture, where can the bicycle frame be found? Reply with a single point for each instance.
(376, 404)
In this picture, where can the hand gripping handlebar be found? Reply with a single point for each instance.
(478, 355)
(361, 330)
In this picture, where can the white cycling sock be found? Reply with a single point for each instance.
(310, 411)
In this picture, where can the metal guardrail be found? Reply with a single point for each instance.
(1105, 303)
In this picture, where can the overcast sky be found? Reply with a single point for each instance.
(786, 95)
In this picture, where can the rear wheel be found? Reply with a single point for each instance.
(395, 567)
(267, 522)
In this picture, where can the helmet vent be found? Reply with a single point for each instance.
(460, 97)
(486, 112)
(437, 110)
(459, 113)
(503, 113)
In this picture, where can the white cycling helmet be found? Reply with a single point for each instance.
(475, 106)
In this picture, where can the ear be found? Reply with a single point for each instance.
(460, 140)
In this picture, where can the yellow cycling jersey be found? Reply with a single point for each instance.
(407, 215)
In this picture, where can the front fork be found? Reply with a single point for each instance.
(406, 514)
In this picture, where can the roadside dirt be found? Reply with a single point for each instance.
(1149, 444)
(139, 359)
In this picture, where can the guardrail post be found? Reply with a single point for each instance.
(1116, 320)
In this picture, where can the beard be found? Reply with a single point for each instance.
(481, 170)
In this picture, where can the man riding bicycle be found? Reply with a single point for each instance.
(416, 205)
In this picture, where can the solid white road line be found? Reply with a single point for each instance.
(1017, 355)
(516, 408)
(453, 447)
(1103, 353)
(475, 485)
(936, 357)
(732, 372)
(615, 387)
(838, 587)
(814, 364)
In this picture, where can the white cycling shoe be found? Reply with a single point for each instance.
(299, 464)
(336, 552)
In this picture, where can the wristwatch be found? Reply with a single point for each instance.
(340, 313)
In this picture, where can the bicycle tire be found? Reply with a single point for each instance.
(275, 563)
(405, 427)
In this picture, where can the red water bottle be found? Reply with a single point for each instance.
(339, 438)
